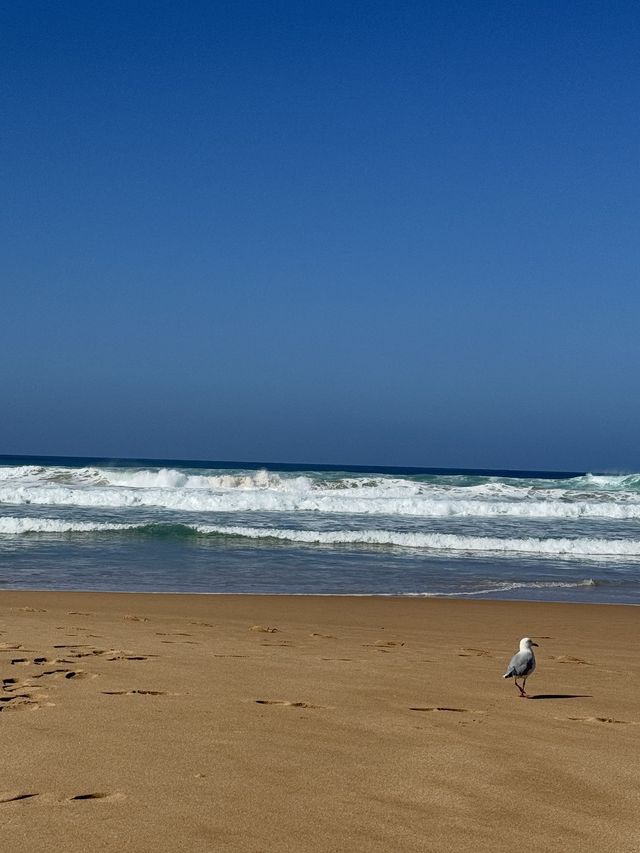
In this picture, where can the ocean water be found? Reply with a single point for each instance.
(220, 527)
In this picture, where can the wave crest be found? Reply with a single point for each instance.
(588, 548)
(587, 497)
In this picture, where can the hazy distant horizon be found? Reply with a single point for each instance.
(282, 464)
(511, 462)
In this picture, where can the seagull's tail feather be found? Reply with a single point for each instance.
(509, 673)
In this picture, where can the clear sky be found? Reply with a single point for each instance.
(377, 233)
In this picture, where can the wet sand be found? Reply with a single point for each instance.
(257, 723)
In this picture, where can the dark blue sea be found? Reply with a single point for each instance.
(222, 527)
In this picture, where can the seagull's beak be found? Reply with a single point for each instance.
(535, 644)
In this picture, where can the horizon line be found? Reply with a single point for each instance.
(288, 466)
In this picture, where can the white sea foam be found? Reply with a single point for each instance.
(20, 472)
(558, 547)
(561, 547)
(10, 526)
(589, 497)
(298, 496)
(509, 587)
(167, 478)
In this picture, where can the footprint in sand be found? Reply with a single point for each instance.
(265, 629)
(286, 703)
(18, 702)
(96, 795)
(26, 694)
(91, 651)
(172, 634)
(471, 652)
(18, 796)
(383, 645)
(66, 673)
(12, 685)
(39, 661)
(611, 720)
(571, 659)
(131, 617)
(444, 708)
(12, 797)
(124, 655)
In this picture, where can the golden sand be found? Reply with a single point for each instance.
(266, 724)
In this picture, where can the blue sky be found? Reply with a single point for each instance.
(377, 233)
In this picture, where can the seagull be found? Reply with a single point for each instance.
(522, 665)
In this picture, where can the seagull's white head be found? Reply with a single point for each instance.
(526, 643)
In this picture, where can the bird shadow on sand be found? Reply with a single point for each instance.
(562, 696)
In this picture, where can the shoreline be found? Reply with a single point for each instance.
(462, 597)
(305, 724)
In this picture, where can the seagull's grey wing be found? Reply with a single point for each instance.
(520, 665)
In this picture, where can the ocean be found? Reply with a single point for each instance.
(219, 527)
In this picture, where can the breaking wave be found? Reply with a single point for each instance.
(219, 529)
(580, 548)
(11, 526)
(438, 541)
(588, 497)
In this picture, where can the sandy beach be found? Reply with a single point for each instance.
(243, 723)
